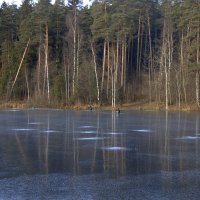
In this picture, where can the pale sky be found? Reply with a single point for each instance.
(19, 2)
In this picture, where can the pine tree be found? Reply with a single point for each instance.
(9, 54)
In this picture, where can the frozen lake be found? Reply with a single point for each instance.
(86, 155)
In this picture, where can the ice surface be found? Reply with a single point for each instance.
(158, 186)
(112, 164)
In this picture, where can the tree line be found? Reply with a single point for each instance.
(115, 51)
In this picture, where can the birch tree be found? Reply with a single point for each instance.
(95, 70)
(167, 50)
(74, 5)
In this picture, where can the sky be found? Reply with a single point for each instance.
(18, 2)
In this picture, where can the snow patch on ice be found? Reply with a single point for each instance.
(86, 126)
(23, 129)
(143, 130)
(50, 131)
(89, 138)
(88, 132)
(116, 148)
(114, 133)
(188, 138)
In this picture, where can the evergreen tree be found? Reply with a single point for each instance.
(56, 38)
(9, 55)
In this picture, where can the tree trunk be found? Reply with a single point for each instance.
(166, 81)
(66, 77)
(138, 44)
(113, 77)
(140, 50)
(150, 59)
(108, 78)
(95, 70)
(20, 65)
(27, 85)
(183, 69)
(198, 45)
(197, 73)
(113, 81)
(197, 89)
(46, 60)
(65, 71)
(178, 78)
(116, 66)
(103, 65)
(122, 71)
(170, 59)
(39, 66)
(77, 60)
(124, 88)
(74, 50)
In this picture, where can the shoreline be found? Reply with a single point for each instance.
(191, 107)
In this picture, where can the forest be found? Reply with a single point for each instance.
(113, 52)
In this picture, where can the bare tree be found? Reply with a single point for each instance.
(20, 65)
(167, 54)
(95, 70)
(46, 65)
(197, 71)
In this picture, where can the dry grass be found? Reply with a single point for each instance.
(14, 104)
(161, 107)
(127, 106)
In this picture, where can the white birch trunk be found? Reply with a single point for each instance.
(138, 45)
(197, 73)
(183, 71)
(27, 85)
(112, 84)
(108, 78)
(150, 59)
(122, 68)
(74, 50)
(197, 89)
(95, 70)
(38, 70)
(46, 61)
(20, 65)
(103, 65)
(115, 75)
(125, 66)
(39, 65)
(77, 63)
(166, 81)
(65, 75)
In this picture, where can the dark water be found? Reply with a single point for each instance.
(59, 154)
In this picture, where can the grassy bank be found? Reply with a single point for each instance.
(127, 106)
